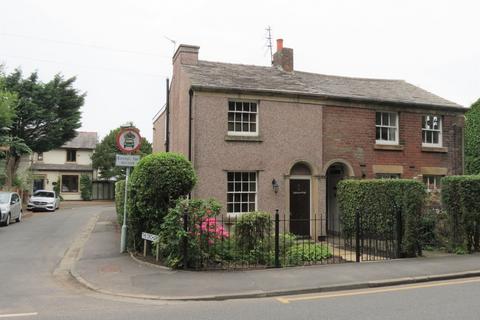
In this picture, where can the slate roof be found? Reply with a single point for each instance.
(83, 140)
(225, 76)
(61, 167)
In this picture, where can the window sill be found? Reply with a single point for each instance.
(391, 147)
(244, 138)
(435, 149)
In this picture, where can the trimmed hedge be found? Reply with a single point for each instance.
(378, 201)
(461, 200)
(157, 181)
(86, 187)
(119, 199)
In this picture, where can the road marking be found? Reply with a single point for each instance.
(372, 291)
(14, 315)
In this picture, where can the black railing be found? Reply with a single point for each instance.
(215, 243)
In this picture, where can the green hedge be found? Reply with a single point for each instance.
(119, 199)
(378, 202)
(86, 187)
(461, 200)
(157, 181)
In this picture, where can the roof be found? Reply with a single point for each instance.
(226, 76)
(83, 140)
(61, 167)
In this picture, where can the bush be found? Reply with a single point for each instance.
(205, 235)
(378, 202)
(300, 254)
(119, 199)
(86, 187)
(460, 197)
(253, 237)
(156, 183)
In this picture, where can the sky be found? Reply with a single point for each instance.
(121, 50)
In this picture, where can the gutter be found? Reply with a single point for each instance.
(298, 95)
(167, 125)
(190, 93)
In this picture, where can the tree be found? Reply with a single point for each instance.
(46, 115)
(103, 158)
(472, 139)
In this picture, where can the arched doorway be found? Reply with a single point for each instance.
(300, 199)
(335, 173)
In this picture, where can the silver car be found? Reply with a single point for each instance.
(43, 199)
(10, 208)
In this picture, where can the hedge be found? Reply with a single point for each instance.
(460, 198)
(157, 181)
(86, 187)
(119, 199)
(378, 201)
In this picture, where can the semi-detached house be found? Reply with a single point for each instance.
(262, 138)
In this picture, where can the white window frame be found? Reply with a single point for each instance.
(439, 130)
(389, 127)
(432, 176)
(243, 133)
(234, 192)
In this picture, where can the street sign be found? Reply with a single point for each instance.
(126, 160)
(129, 140)
(149, 237)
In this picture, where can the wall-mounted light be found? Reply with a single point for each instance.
(275, 186)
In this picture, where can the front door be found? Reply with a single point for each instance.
(300, 207)
(334, 174)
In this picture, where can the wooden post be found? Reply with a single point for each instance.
(156, 253)
(144, 248)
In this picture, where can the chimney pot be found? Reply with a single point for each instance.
(279, 45)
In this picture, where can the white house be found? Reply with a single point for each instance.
(65, 165)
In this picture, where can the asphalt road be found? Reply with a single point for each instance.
(30, 252)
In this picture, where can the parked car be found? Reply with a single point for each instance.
(44, 199)
(10, 208)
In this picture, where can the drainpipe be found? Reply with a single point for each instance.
(190, 125)
(167, 125)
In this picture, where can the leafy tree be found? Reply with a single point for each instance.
(472, 139)
(46, 115)
(8, 101)
(103, 158)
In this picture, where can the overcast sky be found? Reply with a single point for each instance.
(120, 55)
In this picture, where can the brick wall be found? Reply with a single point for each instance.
(349, 134)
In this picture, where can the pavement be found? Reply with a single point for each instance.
(101, 268)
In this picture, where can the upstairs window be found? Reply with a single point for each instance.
(242, 118)
(432, 131)
(71, 155)
(386, 125)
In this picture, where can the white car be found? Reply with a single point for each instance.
(10, 208)
(44, 199)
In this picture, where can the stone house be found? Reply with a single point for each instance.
(266, 138)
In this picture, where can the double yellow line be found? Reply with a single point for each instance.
(288, 299)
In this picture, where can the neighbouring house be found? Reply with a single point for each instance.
(266, 138)
(64, 166)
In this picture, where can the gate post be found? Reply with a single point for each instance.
(399, 232)
(277, 239)
(357, 235)
(185, 239)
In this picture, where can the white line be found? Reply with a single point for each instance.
(13, 315)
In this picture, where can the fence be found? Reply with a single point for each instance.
(218, 243)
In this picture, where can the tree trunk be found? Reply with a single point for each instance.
(11, 167)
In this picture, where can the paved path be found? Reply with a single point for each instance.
(107, 270)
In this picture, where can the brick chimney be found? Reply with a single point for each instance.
(186, 54)
(283, 58)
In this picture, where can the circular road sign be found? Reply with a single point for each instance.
(129, 140)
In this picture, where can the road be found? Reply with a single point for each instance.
(30, 252)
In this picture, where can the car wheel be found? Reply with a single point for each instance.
(19, 217)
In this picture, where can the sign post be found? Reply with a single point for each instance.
(128, 141)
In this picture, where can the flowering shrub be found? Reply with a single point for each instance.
(205, 235)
